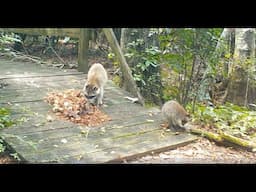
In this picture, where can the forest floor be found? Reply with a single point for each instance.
(6, 158)
(201, 151)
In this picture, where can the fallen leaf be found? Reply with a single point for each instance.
(64, 140)
(73, 106)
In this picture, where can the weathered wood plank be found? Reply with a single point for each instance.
(78, 146)
(118, 128)
(12, 69)
(39, 124)
(133, 131)
(66, 82)
(56, 75)
(115, 131)
(28, 86)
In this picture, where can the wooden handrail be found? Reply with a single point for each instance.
(81, 33)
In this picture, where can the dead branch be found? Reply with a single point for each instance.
(207, 134)
(57, 55)
(222, 137)
(241, 142)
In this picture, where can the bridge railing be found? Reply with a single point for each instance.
(80, 33)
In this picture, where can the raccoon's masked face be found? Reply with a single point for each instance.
(91, 93)
(186, 119)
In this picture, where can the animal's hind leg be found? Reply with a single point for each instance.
(171, 125)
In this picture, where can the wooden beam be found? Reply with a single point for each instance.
(83, 50)
(70, 32)
(129, 83)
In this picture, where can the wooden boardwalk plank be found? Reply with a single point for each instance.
(133, 130)
(38, 124)
(126, 147)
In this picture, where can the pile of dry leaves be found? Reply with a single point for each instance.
(72, 105)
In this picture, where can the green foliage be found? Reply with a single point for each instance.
(229, 117)
(2, 146)
(116, 65)
(179, 49)
(5, 119)
(117, 80)
(173, 62)
(243, 68)
(149, 104)
(7, 39)
(112, 57)
(146, 72)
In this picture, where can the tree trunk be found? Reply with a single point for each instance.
(209, 135)
(124, 38)
(238, 141)
(240, 90)
(225, 43)
(224, 53)
(196, 81)
(245, 43)
(223, 137)
(129, 83)
(232, 82)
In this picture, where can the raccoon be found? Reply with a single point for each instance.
(175, 114)
(94, 86)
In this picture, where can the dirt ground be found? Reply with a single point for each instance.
(202, 151)
(6, 158)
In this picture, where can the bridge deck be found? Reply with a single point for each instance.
(133, 130)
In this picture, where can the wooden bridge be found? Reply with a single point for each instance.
(133, 131)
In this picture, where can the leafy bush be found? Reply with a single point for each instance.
(8, 39)
(189, 56)
(146, 69)
(2, 147)
(229, 117)
(5, 121)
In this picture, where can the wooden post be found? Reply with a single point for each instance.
(129, 82)
(83, 50)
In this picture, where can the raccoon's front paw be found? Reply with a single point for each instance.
(100, 103)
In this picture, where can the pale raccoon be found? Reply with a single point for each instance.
(175, 114)
(94, 86)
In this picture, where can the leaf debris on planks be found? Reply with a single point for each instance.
(71, 105)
